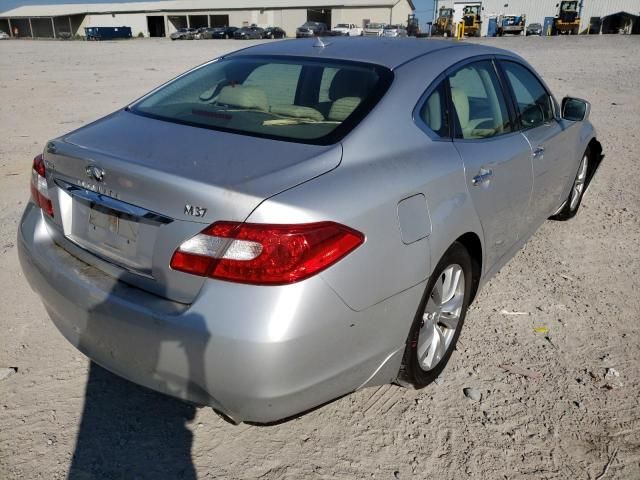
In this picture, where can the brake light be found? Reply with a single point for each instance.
(39, 188)
(265, 254)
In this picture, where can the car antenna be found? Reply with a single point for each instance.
(319, 43)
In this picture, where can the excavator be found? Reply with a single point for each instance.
(472, 20)
(568, 19)
(444, 22)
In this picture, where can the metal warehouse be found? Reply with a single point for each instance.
(48, 18)
(594, 16)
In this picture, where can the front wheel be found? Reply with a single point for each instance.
(570, 206)
(439, 319)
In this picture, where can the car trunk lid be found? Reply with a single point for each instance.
(129, 189)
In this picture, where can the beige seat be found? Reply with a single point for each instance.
(468, 125)
(343, 107)
(433, 115)
(243, 97)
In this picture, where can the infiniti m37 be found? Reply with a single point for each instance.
(294, 221)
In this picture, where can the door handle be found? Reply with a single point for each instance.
(483, 177)
(538, 152)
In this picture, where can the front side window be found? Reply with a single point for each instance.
(434, 112)
(533, 101)
(306, 100)
(478, 102)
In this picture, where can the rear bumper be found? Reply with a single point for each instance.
(253, 353)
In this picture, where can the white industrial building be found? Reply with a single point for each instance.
(49, 18)
(594, 14)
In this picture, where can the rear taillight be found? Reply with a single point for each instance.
(39, 188)
(264, 254)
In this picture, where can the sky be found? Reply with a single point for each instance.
(424, 11)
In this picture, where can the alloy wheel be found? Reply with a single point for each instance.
(441, 317)
(579, 183)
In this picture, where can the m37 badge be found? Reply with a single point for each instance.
(195, 211)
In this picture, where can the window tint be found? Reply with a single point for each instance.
(434, 112)
(313, 101)
(478, 102)
(533, 101)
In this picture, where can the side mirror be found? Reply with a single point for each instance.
(575, 109)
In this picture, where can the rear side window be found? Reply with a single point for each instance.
(533, 101)
(434, 112)
(294, 99)
(478, 102)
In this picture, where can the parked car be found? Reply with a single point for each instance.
(394, 31)
(274, 32)
(339, 212)
(312, 29)
(534, 29)
(4, 35)
(374, 29)
(248, 33)
(199, 31)
(348, 29)
(183, 34)
(219, 33)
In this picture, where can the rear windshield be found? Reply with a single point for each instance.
(293, 99)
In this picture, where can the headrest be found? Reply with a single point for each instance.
(350, 83)
(343, 107)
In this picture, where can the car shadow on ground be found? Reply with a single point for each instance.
(128, 431)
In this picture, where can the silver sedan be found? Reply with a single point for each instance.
(298, 220)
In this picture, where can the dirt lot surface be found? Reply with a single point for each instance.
(564, 418)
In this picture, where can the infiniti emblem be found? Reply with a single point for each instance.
(94, 173)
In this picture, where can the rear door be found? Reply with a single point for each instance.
(550, 147)
(497, 158)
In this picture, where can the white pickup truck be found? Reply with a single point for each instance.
(347, 29)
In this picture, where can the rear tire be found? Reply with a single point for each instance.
(439, 319)
(570, 207)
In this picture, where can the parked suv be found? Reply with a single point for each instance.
(312, 29)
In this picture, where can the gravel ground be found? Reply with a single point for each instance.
(564, 418)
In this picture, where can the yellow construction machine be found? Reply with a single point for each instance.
(444, 22)
(472, 20)
(568, 19)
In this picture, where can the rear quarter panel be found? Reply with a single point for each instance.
(386, 159)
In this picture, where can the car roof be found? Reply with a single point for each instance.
(388, 52)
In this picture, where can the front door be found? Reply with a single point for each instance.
(552, 170)
(497, 158)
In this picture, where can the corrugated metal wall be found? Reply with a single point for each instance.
(537, 10)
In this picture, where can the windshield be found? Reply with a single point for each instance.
(304, 100)
(375, 25)
(342, 25)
